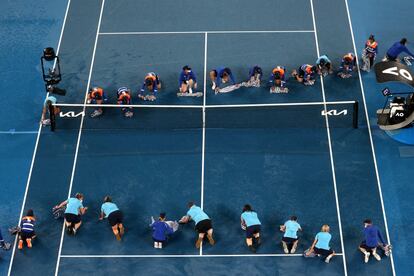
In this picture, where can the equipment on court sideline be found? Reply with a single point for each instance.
(228, 89)
(306, 254)
(278, 90)
(343, 75)
(187, 94)
(58, 212)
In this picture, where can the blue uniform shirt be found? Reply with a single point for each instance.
(161, 230)
(197, 214)
(73, 206)
(50, 98)
(291, 229)
(323, 240)
(186, 77)
(255, 70)
(108, 207)
(220, 71)
(27, 224)
(372, 236)
(323, 57)
(396, 49)
(250, 218)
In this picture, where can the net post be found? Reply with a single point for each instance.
(52, 117)
(355, 115)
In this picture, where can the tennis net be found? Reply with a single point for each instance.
(275, 115)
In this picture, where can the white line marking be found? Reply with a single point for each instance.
(206, 106)
(370, 135)
(13, 132)
(330, 148)
(203, 146)
(35, 150)
(203, 32)
(186, 256)
(80, 133)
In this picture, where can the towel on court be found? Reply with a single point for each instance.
(58, 212)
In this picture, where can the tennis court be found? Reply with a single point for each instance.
(276, 152)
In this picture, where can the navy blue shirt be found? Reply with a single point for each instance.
(220, 71)
(186, 77)
(372, 236)
(161, 230)
(396, 49)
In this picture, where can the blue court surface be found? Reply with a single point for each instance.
(277, 152)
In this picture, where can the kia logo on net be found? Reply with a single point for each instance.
(71, 114)
(334, 112)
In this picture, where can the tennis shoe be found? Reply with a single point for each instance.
(46, 122)
(129, 114)
(366, 257)
(294, 246)
(29, 243)
(96, 113)
(376, 256)
(20, 246)
(328, 259)
(285, 248)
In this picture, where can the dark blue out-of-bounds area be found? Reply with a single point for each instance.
(288, 164)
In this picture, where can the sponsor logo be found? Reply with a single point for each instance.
(334, 112)
(71, 114)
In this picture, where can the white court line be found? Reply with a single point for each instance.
(186, 256)
(330, 148)
(370, 136)
(204, 32)
(203, 143)
(35, 149)
(208, 106)
(13, 132)
(80, 133)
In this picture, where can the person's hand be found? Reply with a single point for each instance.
(100, 218)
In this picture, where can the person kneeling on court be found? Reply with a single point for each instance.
(372, 240)
(290, 237)
(160, 231)
(74, 211)
(124, 98)
(255, 77)
(305, 74)
(202, 221)
(348, 64)
(187, 80)
(324, 65)
(277, 80)
(27, 233)
(152, 83)
(96, 95)
(221, 75)
(320, 245)
(47, 107)
(251, 224)
(111, 211)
